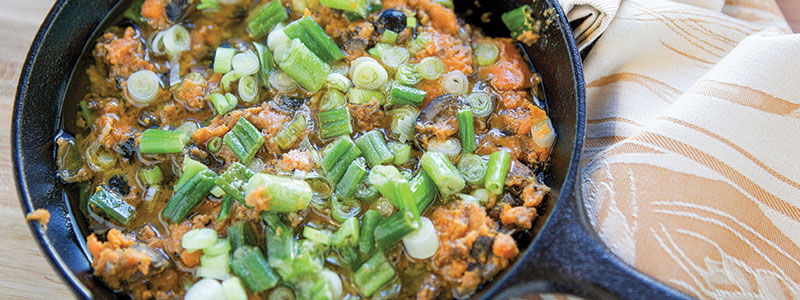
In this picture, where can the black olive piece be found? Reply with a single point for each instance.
(119, 184)
(175, 9)
(481, 249)
(127, 149)
(391, 19)
(291, 102)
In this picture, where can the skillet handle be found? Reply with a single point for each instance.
(568, 257)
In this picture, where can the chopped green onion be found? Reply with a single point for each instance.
(450, 147)
(369, 75)
(334, 123)
(481, 194)
(250, 265)
(377, 51)
(290, 133)
(407, 75)
(373, 274)
(264, 16)
(214, 144)
(348, 233)
(445, 3)
(389, 37)
(189, 169)
(455, 82)
(85, 112)
(151, 176)
(402, 127)
(265, 61)
(402, 153)
(374, 148)
(282, 82)
(466, 130)
(217, 192)
(245, 63)
(443, 172)
(543, 134)
(342, 152)
(394, 57)
(248, 88)
(395, 187)
(283, 194)
(233, 181)
(332, 99)
(222, 60)
(241, 234)
(205, 289)
(342, 210)
(360, 7)
(394, 228)
(233, 289)
(350, 182)
(112, 205)
(486, 52)
(302, 65)
(222, 103)
(367, 192)
(496, 172)
(430, 68)
(338, 81)
(404, 95)
(208, 5)
(367, 241)
(225, 207)
(158, 141)
(244, 140)
(214, 266)
(177, 40)
(197, 239)
(188, 196)
(416, 45)
(320, 236)
(315, 38)
(411, 22)
(521, 23)
(229, 78)
(473, 168)
(142, 87)
(422, 243)
(277, 38)
(481, 103)
(424, 190)
(281, 293)
(359, 96)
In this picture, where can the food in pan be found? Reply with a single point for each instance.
(304, 149)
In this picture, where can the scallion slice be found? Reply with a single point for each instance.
(302, 65)
(223, 103)
(543, 134)
(450, 147)
(112, 205)
(222, 60)
(443, 172)
(197, 239)
(407, 75)
(334, 122)
(290, 133)
(486, 52)
(338, 81)
(360, 96)
(481, 103)
(332, 99)
(314, 37)
(360, 7)
(233, 289)
(245, 63)
(142, 87)
(389, 37)
(248, 88)
(455, 82)
(424, 242)
(283, 194)
(402, 127)
(158, 141)
(370, 75)
(404, 95)
(264, 16)
(473, 168)
(177, 40)
(496, 172)
(394, 57)
(281, 81)
(466, 129)
(244, 140)
(430, 68)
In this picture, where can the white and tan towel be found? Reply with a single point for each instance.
(691, 166)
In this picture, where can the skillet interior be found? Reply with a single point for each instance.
(56, 52)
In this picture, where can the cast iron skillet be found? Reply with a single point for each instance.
(562, 254)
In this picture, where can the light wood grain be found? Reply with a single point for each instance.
(26, 274)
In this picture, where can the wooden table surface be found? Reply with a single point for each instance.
(26, 274)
